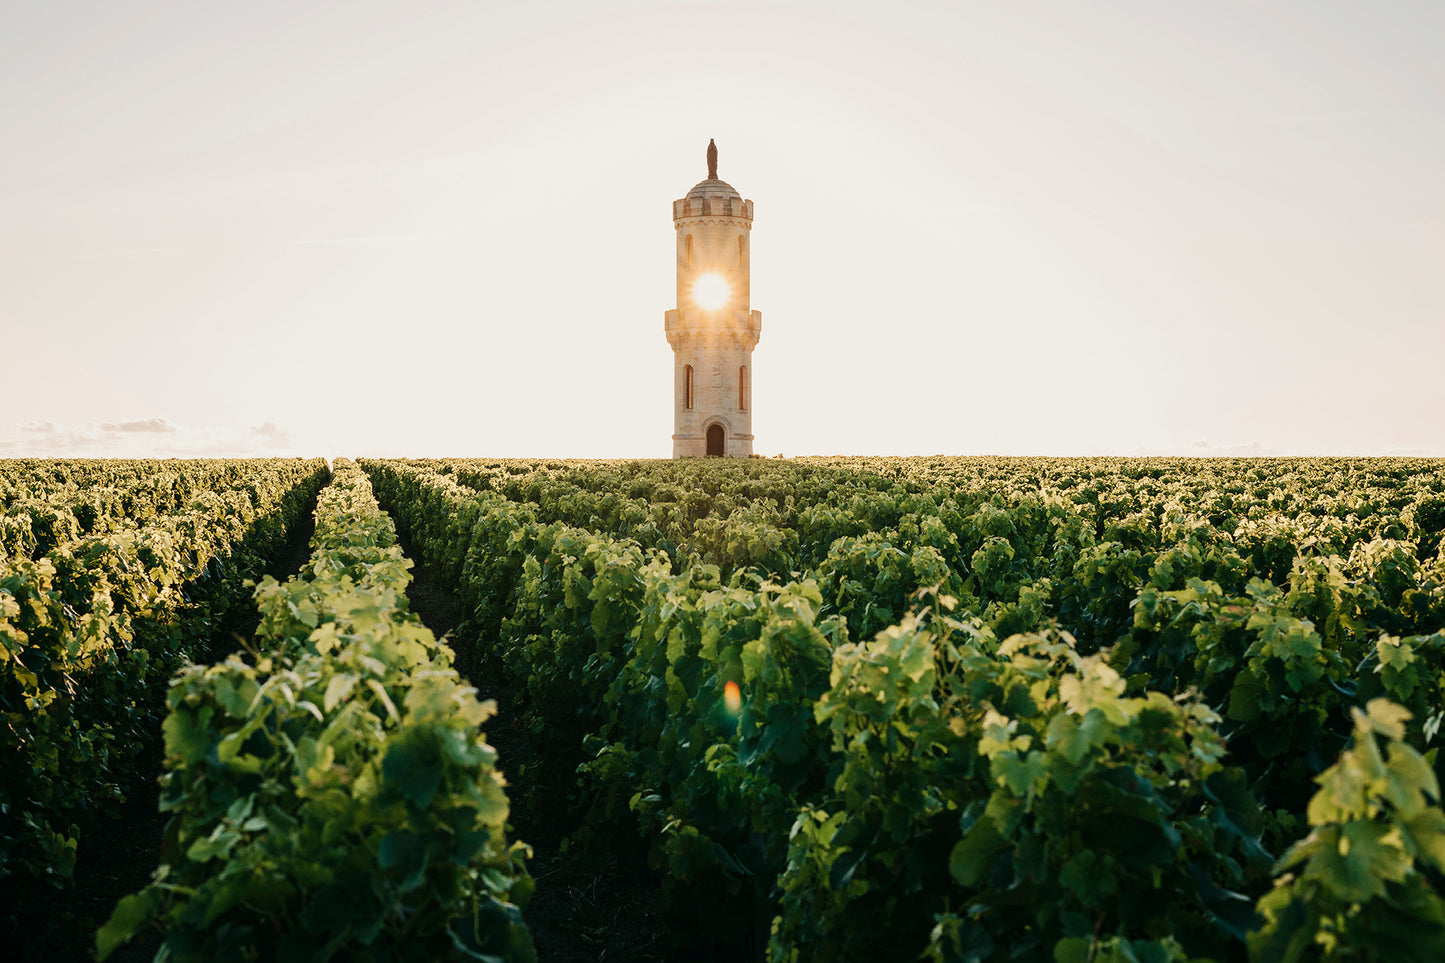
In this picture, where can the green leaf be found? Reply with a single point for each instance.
(129, 915)
(972, 855)
(404, 851)
(234, 695)
(1245, 698)
(1386, 718)
(186, 734)
(755, 661)
(228, 753)
(1022, 775)
(217, 845)
(1072, 738)
(1411, 780)
(1356, 860)
(1072, 949)
(413, 767)
(1394, 654)
(1088, 881)
(1427, 829)
(338, 688)
(1289, 931)
(380, 690)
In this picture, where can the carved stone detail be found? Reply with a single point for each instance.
(710, 219)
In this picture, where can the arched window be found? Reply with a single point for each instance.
(687, 256)
(687, 387)
(743, 388)
(740, 251)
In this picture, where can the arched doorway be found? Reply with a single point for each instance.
(716, 446)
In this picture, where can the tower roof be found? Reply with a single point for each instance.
(712, 187)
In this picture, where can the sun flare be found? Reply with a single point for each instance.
(711, 292)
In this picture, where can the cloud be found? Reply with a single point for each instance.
(268, 432)
(147, 438)
(157, 425)
(364, 239)
(1250, 449)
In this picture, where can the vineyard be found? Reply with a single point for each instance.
(956, 709)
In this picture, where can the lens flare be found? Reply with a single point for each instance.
(711, 292)
(732, 698)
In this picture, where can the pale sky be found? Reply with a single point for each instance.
(409, 228)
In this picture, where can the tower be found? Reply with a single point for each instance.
(713, 329)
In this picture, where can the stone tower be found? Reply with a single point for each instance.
(713, 329)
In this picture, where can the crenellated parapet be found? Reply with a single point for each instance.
(712, 206)
(705, 330)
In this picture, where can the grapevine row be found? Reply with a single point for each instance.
(333, 796)
(973, 754)
(91, 630)
(44, 503)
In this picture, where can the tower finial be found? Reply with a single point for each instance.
(711, 159)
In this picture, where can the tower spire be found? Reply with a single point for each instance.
(711, 160)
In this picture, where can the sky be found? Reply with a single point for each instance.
(1057, 227)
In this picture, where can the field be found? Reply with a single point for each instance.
(840, 709)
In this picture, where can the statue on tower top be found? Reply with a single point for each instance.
(711, 160)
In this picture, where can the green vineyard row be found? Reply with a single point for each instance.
(114, 575)
(333, 796)
(961, 709)
(1073, 714)
(45, 503)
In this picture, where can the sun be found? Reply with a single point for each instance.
(711, 292)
